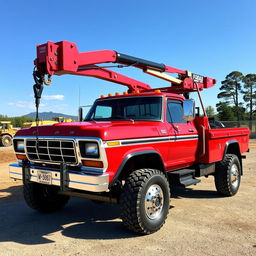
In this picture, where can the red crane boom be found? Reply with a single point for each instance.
(64, 58)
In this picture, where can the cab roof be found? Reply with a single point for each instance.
(135, 94)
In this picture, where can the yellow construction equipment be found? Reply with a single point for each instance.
(41, 122)
(55, 120)
(62, 119)
(6, 133)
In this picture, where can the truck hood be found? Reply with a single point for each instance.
(112, 130)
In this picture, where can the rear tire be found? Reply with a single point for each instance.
(145, 201)
(6, 140)
(43, 198)
(228, 175)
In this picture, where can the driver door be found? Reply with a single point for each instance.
(183, 136)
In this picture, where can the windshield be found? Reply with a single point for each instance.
(132, 108)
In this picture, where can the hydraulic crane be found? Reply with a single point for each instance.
(64, 58)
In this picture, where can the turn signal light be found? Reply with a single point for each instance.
(113, 143)
(90, 163)
(21, 157)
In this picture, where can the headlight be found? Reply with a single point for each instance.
(89, 149)
(19, 146)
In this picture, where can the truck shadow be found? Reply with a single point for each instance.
(11, 193)
(81, 219)
(178, 192)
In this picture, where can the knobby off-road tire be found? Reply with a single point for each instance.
(6, 140)
(43, 198)
(144, 201)
(228, 175)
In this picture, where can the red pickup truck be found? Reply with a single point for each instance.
(130, 148)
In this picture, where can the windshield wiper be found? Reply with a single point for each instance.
(122, 117)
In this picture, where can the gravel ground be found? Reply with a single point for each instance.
(200, 222)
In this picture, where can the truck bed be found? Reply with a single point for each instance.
(213, 142)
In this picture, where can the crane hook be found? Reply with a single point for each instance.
(48, 81)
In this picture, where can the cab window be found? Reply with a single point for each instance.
(174, 112)
(103, 112)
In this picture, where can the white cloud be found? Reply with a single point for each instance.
(53, 97)
(24, 104)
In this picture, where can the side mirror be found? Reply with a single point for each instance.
(80, 114)
(189, 110)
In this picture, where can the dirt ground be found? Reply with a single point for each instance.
(200, 222)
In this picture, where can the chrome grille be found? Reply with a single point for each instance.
(57, 151)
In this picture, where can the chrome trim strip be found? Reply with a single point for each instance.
(81, 181)
(128, 142)
(55, 137)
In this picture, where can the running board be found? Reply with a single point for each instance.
(183, 178)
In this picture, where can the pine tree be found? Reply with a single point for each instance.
(210, 111)
(230, 89)
(250, 93)
(225, 112)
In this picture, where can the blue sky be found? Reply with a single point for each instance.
(211, 38)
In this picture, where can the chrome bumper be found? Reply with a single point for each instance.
(86, 182)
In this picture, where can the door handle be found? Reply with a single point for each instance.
(191, 130)
(177, 128)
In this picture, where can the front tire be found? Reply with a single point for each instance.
(6, 140)
(145, 201)
(228, 175)
(43, 198)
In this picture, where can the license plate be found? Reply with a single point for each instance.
(44, 177)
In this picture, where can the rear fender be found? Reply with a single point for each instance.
(232, 147)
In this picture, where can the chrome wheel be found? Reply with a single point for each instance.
(154, 201)
(234, 175)
(228, 175)
(145, 200)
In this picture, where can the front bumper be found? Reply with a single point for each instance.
(73, 180)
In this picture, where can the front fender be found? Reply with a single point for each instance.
(133, 153)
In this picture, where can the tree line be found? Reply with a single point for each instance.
(17, 121)
(237, 98)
